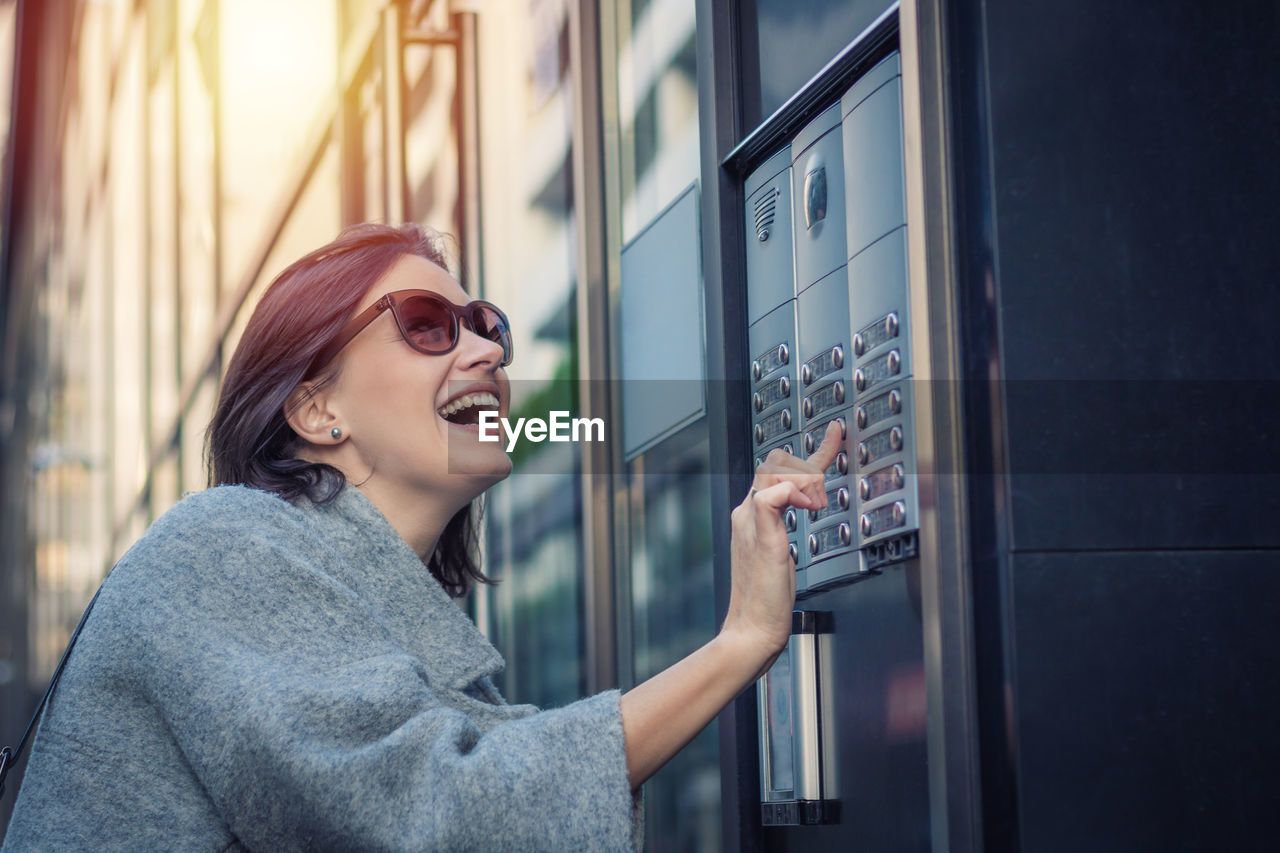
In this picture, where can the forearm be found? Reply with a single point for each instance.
(661, 716)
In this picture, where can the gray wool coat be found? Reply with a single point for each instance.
(266, 675)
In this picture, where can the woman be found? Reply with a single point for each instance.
(277, 663)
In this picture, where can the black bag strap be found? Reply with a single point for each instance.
(9, 757)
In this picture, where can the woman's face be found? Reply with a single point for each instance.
(390, 399)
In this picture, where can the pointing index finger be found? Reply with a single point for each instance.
(826, 452)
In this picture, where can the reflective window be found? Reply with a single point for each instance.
(673, 613)
(786, 42)
(657, 106)
(534, 541)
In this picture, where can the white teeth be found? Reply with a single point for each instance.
(480, 398)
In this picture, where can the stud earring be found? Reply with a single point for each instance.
(335, 432)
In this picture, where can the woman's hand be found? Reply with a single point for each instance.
(763, 587)
(663, 714)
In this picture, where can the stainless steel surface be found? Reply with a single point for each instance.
(954, 789)
(805, 731)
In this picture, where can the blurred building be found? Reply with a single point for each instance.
(655, 192)
(167, 159)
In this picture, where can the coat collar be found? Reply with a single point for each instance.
(385, 572)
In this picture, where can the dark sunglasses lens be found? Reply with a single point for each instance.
(490, 323)
(429, 325)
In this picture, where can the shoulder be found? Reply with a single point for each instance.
(222, 513)
(223, 529)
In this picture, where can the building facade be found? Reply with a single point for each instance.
(718, 226)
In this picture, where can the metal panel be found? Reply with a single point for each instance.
(873, 163)
(883, 72)
(817, 184)
(878, 305)
(773, 346)
(770, 266)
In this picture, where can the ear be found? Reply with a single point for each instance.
(308, 410)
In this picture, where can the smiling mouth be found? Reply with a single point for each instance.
(465, 410)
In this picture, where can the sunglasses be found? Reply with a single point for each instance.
(428, 322)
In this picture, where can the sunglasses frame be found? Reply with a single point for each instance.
(462, 315)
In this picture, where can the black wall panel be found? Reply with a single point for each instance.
(1135, 176)
(1147, 688)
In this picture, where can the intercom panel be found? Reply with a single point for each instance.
(885, 473)
(817, 181)
(872, 155)
(770, 280)
(878, 313)
(774, 413)
(829, 328)
(826, 394)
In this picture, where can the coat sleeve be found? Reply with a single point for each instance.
(310, 728)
